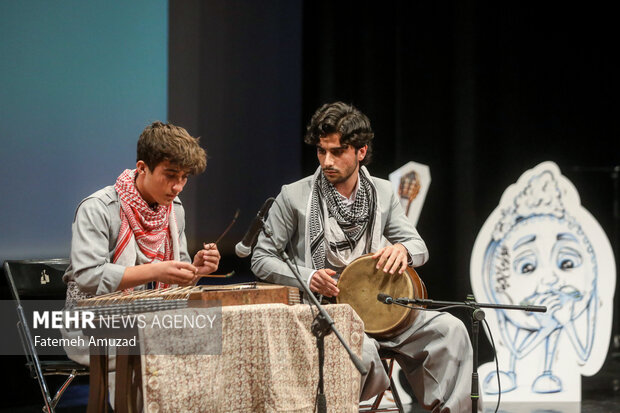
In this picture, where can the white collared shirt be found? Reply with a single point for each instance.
(348, 202)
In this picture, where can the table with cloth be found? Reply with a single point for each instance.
(268, 363)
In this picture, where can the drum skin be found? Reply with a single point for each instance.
(361, 282)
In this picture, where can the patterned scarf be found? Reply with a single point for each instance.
(355, 221)
(143, 226)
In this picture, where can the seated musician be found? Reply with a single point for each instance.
(340, 213)
(132, 234)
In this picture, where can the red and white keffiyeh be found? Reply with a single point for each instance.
(143, 227)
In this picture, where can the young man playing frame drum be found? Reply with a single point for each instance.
(341, 213)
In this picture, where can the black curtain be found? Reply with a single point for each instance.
(480, 92)
(235, 81)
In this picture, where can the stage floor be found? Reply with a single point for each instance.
(600, 394)
(599, 404)
(586, 406)
(595, 403)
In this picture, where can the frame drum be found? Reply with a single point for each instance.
(361, 282)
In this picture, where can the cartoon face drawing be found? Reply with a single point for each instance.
(540, 247)
(543, 261)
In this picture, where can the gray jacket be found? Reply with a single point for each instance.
(287, 221)
(95, 229)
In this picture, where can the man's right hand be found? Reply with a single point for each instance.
(174, 272)
(167, 272)
(322, 282)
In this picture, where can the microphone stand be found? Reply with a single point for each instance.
(322, 325)
(477, 315)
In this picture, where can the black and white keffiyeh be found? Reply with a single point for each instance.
(356, 222)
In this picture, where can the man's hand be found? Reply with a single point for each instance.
(174, 272)
(167, 272)
(322, 282)
(392, 258)
(207, 260)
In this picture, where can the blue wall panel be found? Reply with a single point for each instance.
(78, 83)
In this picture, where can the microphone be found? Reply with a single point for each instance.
(384, 298)
(419, 301)
(244, 247)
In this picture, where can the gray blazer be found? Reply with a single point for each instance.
(95, 230)
(287, 220)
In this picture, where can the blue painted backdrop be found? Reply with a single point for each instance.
(78, 83)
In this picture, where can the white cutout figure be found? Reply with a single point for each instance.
(541, 247)
(410, 183)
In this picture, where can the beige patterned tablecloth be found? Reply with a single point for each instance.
(269, 363)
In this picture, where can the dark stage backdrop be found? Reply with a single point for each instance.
(235, 79)
(478, 91)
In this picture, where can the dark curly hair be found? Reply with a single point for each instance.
(166, 142)
(339, 117)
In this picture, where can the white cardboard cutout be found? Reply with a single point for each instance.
(541, 247)
(410, 183)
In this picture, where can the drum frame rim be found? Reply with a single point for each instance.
(385, 332)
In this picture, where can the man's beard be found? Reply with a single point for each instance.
(338, 179)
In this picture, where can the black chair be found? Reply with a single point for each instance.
(41, 280)
(387, 358)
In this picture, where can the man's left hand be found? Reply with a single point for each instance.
(392, 258)
(207, 260)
